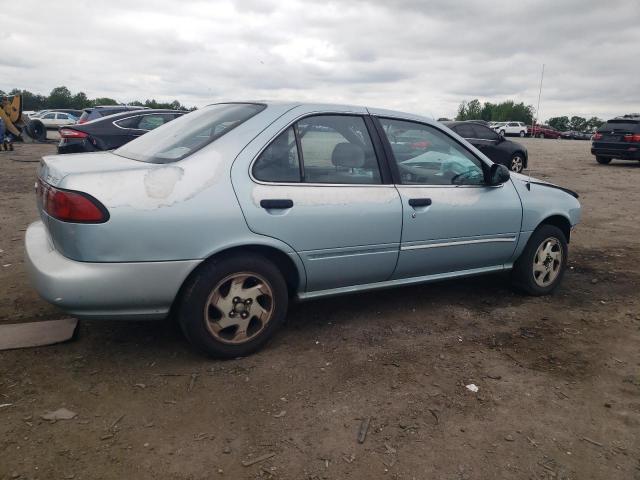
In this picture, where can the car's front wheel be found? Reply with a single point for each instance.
(540, 267)
(603, 160)
(517, 163)
(541, 135)
(233, 305)
(522, 133)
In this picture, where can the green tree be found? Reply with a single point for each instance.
(80, 101)
(594, 123)
(60, 97)
(559, 123)
(103, 101)
(578, 123)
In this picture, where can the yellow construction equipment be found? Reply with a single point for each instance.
(18, 124)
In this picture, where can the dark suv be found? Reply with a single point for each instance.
(618, 138)
(104, 110)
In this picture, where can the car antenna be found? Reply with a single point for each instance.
(535, 121)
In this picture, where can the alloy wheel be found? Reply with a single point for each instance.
(547, 262)
(517, 164)
(239, 307)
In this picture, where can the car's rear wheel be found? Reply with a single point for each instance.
(502, 133)
(233, 305)
(603, 160)
(517, 163)
(540, 267)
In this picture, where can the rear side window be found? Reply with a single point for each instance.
(189, 133)
(280, 161)
(333, 149)
(145, 122)
(465, 131)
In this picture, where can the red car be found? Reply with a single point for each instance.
(543, 131)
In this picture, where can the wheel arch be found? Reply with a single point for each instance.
(559, 221)
(292, 271)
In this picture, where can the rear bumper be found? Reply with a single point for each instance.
(620, 153)
(75, 146)
(141, 290)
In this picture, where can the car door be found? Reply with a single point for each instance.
(316, 184)
(452, 220)
(489, 143)
(49, 120)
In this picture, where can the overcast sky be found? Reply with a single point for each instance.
(418, 56)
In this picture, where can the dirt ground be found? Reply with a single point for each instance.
(558, 377)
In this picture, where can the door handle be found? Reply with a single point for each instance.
(419, 202)
(276, 204)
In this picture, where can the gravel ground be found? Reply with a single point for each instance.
(558, 377)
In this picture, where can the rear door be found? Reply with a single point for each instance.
(314, 182)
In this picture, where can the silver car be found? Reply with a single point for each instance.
(225, 214)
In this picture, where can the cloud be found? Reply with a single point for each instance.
(414, 55)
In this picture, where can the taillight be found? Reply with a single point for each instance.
(632, 137)
(70, 206)
(597, 136)
(71, 133)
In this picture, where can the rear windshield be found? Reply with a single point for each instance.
(189, 133)
(620, 126)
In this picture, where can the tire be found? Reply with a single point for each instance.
(541, 135)
(521, 133)
(37, 130)
(603, 160)
(536, 275)
(517, 163)
(502, 133)
(258, 307)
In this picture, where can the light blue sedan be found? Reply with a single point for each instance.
(225, 214)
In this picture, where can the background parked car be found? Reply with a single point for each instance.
(543, 131)
(575, 135)
(113, 131)
(619, 138)
(104, 110)
(54, 120)
(511, 128)
(513, 155)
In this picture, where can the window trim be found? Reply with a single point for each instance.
(393, 164)
(386, 179)
(115, 122)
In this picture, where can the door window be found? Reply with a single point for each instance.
(484, 133)
(465, 130)
(279, 162)
(334, 149)
(62, 116)
(426, 156)
(50, 116)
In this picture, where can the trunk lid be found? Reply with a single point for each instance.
(54, 168)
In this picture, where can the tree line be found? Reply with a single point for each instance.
(61, 97)
(519, 112)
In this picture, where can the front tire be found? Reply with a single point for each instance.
(232, 306)
(517, 163)
(603, 160)
(541, 266)
(521, 133)
(541, 135)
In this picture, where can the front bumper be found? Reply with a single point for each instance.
(140, 290)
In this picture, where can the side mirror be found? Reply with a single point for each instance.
(498, 174)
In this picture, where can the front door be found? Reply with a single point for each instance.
(452, 221)
(318, 187)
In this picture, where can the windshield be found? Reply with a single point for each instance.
(181, 137)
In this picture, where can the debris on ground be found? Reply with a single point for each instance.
(261, 458)
(364, 428)
(472, 387)
(60, 414)
(36, 334)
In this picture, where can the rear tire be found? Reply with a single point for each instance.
(502, 133)
(603, 160)
(541, 266)
(233, 305)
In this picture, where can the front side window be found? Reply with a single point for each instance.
(333, 149)
(484, 133)
(189, 133)
(426, 156)
(50, 116)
